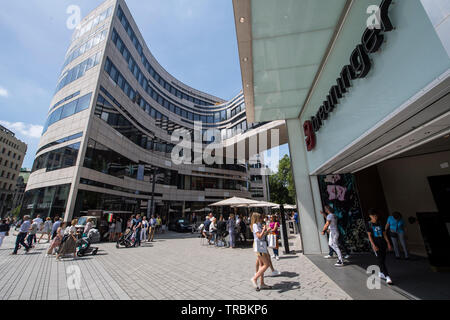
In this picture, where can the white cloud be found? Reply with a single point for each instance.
(3, 92)
(25, 129)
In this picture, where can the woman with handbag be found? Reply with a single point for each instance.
(69, 242)
(57, 239)
(260, 248)
(396, 227)
(273, 236)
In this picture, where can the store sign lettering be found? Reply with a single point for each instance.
(358, 68)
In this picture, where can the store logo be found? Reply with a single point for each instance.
(359, 67)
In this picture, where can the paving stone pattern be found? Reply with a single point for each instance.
(174, 267)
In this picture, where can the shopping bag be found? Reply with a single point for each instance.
(272, 240)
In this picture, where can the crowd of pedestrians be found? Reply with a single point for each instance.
(383, 237)
(142, 229)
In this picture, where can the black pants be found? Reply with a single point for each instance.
(20, 240)
(138, 237)
(381, 256)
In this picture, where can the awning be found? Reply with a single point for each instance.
(283, 45)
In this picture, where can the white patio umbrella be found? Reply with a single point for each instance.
(286, 206)
(235, 201)
(263, 204)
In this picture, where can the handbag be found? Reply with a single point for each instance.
(272, 240)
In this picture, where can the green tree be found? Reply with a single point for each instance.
(281, 184)
(15, 212)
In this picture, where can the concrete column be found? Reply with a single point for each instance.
(309, 229)
(318, 207)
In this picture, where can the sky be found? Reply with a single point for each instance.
(194, 40)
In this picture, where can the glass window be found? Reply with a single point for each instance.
(108, 66)
(55, 116)
(196, 117)
(210, 119)
(83, 102)
(178, 111)
(69, 109)
(114, 73)
(183, 113)
(97, 58)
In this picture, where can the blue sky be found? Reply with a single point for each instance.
(194, 40)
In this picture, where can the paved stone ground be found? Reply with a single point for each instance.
(174, 267)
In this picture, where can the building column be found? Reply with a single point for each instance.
(307, 192)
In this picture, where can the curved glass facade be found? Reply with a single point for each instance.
(123, 115)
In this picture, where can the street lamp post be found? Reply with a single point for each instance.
(284, 230)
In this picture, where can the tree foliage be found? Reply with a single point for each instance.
(281, 184)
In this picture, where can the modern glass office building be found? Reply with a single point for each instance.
(107, 141)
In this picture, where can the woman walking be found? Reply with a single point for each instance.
(69, 246)
(397, 230)
(112, 230)
(379, 241)
(144, 230)
(274, 233)
(47, 229)
(260, 248)
(231, 226)
(56, 242)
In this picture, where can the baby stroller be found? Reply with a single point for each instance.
(84, 244)
(126, 240)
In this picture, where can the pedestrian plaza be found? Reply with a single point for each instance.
(174, 267)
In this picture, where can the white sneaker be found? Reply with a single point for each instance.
(388, 280)
(382, 276)
(254, 284)
(339, 264)
(346, 256)
(272, 256)
(275, 273)
(277, 258)
(328, 257)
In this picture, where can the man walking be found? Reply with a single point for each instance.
(152, 229)
(55, 226)
(23, 231)
(138, 226)
(334, 234)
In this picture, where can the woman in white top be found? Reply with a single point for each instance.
(213, 229)
(144, 229)
(69, 245)
(260, 248)
(47, 229)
